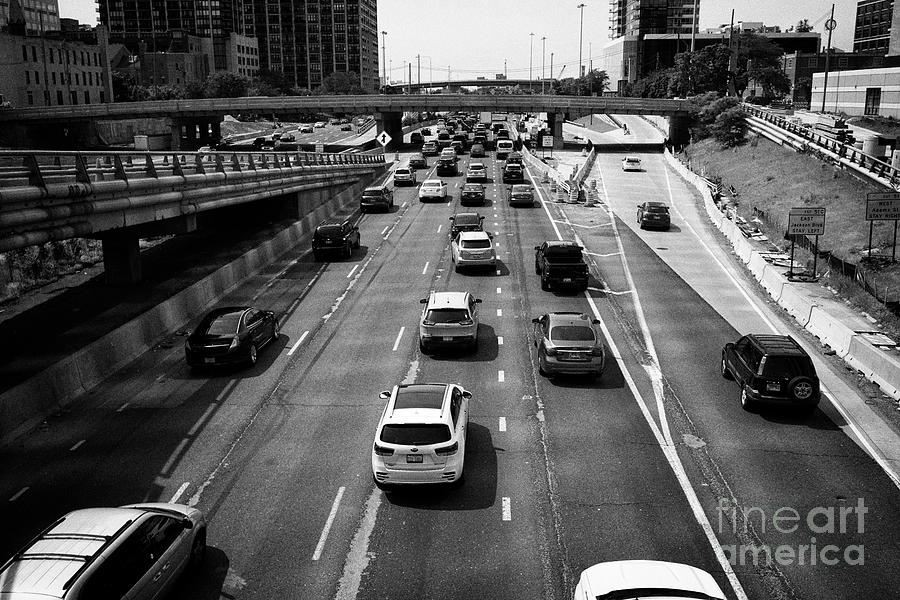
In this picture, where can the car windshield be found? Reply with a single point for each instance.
(415, 434)
(658, 209)
(377, 193)
(571, 333)
(472, 188)
(447, 315)
(786, 367)
(226, 324)
(476, 244)
(431, 186)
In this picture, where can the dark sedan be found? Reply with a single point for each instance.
(229, 336)
(653, 214)
(472, 193)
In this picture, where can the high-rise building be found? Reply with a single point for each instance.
(639, 17)
(40, 15)
(877, 29)
(307, 40)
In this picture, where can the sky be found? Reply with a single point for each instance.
(474, 37)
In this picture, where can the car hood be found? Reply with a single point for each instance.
(604, 578)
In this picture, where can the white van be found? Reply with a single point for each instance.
(504, 147)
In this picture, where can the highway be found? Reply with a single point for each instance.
(654, 460)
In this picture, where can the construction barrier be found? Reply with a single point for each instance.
(830, 331)
(876, 364)
(757, 265)
(799, 306)
(773, 281)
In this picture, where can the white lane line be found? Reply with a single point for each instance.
(502, 424)
(497, 244)
(499, 340)
(334, 507)
(77, 446)
(352, 271)
(671, 454)
(499, 312)
(499, 290)
(386, 227)
(501, 376)
(507, 509)
(18, 494)
(174, 456)
(439, 228)
(425, 268)
(181, 490)
(298, 342)
(358, 557)
(496, 224)
(123, 407)
(397, 341)
(498, 271)
(209, 410)
(404, 205)
(226, 390)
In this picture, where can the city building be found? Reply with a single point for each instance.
(39, 15)
(800, 68)
(877, 30)
(860, 92)
(639, 17)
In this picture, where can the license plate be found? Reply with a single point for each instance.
(209, 361)
(567, 280)
(773, 386)
(447, 338)
(413, 458)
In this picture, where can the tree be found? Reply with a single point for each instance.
(759, 60)
(123, 83)
(730, 127)
(705, 70)
(226, 85)
(341, 84)
(594, 82)
(803, 26)
(271, 83)
(652, 85)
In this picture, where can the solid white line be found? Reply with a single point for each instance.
(397, 341)
(18, 494)
(498, 291)
(501, 376)
(181, 490)
(174, 456)
(353, 270)
(502, 424)
(439, 228)
(499, 340)
(226, 390)
(404, 205)
(193, 430)
(497, 244)
(123, 407)
(77, 446)
(386, 227)
(298, 342)
(425, 268)
(507, 509)
(334, 506)
(499, 312)
(358, 557)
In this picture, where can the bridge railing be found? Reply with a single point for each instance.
(42, 168)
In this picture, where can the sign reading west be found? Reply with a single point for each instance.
(883, 206)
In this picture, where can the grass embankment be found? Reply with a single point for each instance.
(772, 179)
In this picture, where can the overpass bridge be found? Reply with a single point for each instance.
(529, 84)
(121, 197)
(195, 122)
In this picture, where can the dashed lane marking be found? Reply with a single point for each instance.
(507, 509)
(19, 494)
(501, 376)
(77, 445)
(425, 268)
(297, 343)
(501, 425)
(397, 341)
(324, 536)
(177, 495)
(352, 271)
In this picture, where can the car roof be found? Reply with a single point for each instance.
(467, 216)
(473, 186)
(335, 221)
(471, 236)
(521, 187)
(646, 576)
(433, 182)
(377, 188)
(418, 403)
(448, 300)
(568, 318)
(562, 244)
(778, 344)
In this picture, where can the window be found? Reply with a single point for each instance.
(87, 97)
(27, 77)
(30, 97)
(52, 53)
(37, 77)
(74, 95)
(24, 53)
(53, 75)
(873, 101)
(77, 82)
(34, 53)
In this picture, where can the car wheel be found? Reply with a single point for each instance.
(541, 370)
(198, 551)
(348, 251)
(423, 347)
(725, 372)
(746, 402)
(252, 357)
(381, 486)
(801, 388)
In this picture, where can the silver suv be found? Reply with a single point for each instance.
(449, 318)
(136, 552)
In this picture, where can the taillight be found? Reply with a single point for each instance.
(465, 322)
(383, 450)
(597, 350)
(427, 323)
(448, 451)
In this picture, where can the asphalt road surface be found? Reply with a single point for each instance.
(654, 460)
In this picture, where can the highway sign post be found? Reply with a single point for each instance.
(883, 206)
(547, 142)
(806, 221)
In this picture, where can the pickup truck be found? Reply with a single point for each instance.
(560, 263)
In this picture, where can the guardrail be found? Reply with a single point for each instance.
(877, 169)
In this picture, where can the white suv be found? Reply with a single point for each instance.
(421, 437)
(449, 318)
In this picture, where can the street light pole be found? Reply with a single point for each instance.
(829, 25)
(530, 63)
(383, 54)
(551, 72)
(419, 74)
(543, 60)
(580, 37)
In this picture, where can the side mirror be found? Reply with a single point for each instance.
(535, 320)
(477, 300)
(423, 301)
(537, 247)
(467, 394)
(638, 205)
(187, 523)
(385, 395)
(595, 321)
(729, 346)
(452, 218)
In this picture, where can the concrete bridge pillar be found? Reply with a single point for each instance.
(122, 259)
(174, 134)
(679, 132)
(555, 125)
(392, 123)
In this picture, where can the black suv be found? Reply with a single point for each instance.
(513, 173)
(771, 369)
(335, 235)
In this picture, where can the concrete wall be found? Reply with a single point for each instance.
(123, 132)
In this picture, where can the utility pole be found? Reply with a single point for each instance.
(419, 76)
(409, 80)
(694, 26)
(580, 37)
(732, 59)
(543, 60)
(551, 72)
(830, 24)
(383, 55)
(504, 68)
(530, 63)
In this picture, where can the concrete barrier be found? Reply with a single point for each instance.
(743, 248)
(773, 281)
(757, 265)
(27, 404)
(877, 365)
(799, 306)
(830, 331)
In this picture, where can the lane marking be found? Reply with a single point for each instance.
(328, 522)
(499, 340)
(498, 290)
(507, 509)
(199, 423)
(174, 456)
(397, 341)
(184, 486)
(386, 227)
(358, 557)
(501, 376)
(404, 205)
(77, 446)
(439, 228)
(353, 270)
(502, 424)
(425, 268)
(18, 494)
(298, 342)
(499, 312)
(123, 407)
(226, 390)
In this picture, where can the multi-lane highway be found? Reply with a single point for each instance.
(654, 460)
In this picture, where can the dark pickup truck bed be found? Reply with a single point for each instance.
(560, 264)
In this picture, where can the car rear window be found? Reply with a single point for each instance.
(787, 367)
(571, 333)
(466, 220)
(223, 324)
(328, 230)
(447, 315)
(476, 244)
(402, 171)
(376, 193)
(415, 434)
(658, 209)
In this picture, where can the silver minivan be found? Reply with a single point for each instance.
(404, 175)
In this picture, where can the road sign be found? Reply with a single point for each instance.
(383, 138)
(882, 206)
(320, 148)
(806, 221)
(830, 24)
(547, 141)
